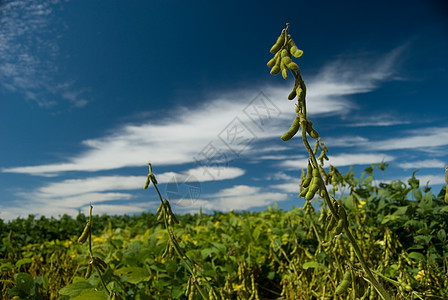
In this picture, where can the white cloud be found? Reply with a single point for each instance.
(72, 194)
(28, 53)
(381, 120)
(345, 141)
(422, 164)
(416, 139)
(109, 209)
(239, 190)
(187, 135)
(342, 160)
(183, 136)
(54, 210)
(293, 187)
(248, 201)
(73, 187)
(239, 197)
(432, 179)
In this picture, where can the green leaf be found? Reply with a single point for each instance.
(131, 251)
(23, 261)
(414, 182)
(42, 280)
(92, 295)
(422, 239)
(76, 288)
(417, 256)
(134, 274)
(6, 267)
(24, 284)
(389, 218)
(206, 252)
(401, 210)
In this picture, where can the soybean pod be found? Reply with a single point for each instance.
(293, 130)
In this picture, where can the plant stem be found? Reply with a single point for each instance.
(383, 293)
(91, 253)
(178, 250)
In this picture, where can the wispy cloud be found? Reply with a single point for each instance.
(381, 120)
(347, 159)
(238, 197)
(182, 135)
(191, 135)
(28, 61)
(431, 179)
(416, 139)
(71, 195)
(423, 164)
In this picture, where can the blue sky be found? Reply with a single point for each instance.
(91, 91)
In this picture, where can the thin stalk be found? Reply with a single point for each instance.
(383, 293)
(91, 253)
(178, 250)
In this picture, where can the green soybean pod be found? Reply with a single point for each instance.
(293, 130)
(147, 183)
(321, 156)
(342, 214)
(310, 195)
(272, 61)
(85, 233)
(309, 128)
(331, 223)
(339, 227)
(279, 43)
(276, 68)
(315, 186)
(89, 271)
(307, 182)
(293, 66)
(296, 52)
(304, 192)
(153, 178)
(102, 266)
(315, 173)
(292, 95)
(286, 60)
(302, 179)
(284, 70)
(342, 287)
(314, 134)
(316, 147)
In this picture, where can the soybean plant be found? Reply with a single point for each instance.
(173, 247)
(316, 178)
(95, 262)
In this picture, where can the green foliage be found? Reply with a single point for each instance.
(278, 250)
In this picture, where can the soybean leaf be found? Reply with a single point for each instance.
(92, 295)
(76, 288)
(134, 274)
